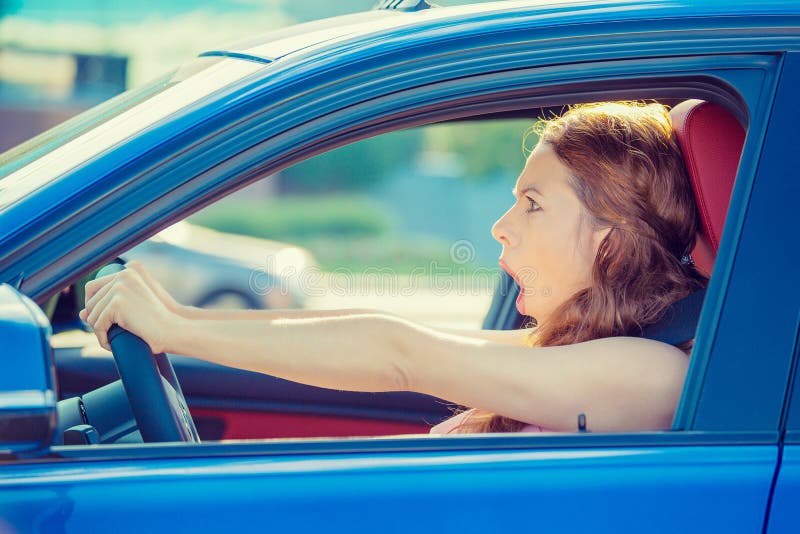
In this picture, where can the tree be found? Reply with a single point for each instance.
(354, 166)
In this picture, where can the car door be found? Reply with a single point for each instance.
(783, 510)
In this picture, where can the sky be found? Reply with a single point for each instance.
(156, 35)
(105, 11)
(119, 11)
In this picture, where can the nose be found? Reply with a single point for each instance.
(501, 231)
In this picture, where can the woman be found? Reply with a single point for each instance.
(603, 216)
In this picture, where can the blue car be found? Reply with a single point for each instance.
(144, 453)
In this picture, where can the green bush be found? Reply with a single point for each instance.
(298, 218)
(404, 255)
(342, 232)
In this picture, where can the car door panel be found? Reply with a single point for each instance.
(783, 508)
(664, 489)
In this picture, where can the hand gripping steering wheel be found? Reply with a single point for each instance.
(149, 380)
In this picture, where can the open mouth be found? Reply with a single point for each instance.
(521, 297)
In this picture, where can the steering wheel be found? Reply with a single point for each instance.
(155, 396)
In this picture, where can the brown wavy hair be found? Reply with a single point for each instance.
(628, 171)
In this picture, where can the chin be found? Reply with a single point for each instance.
(527, 308)
(535, 310)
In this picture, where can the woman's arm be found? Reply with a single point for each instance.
(215, 314)
(192, 312)
(506, 337)
(515, 338)
(621, 384)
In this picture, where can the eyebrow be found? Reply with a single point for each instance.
(525, 190)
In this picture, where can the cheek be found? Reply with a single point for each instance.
(541, 256)
(555, 257)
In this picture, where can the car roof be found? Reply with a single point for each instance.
(382, 23)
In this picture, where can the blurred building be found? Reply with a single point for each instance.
(40, 89)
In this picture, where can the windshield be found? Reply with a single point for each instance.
(46, 157)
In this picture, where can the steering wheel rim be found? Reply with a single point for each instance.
(153, 390)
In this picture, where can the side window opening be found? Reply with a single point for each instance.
(400, 222)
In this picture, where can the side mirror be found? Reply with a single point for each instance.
(27, 376)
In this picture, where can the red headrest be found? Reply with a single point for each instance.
(711, 140)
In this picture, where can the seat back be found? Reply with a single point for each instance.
(711, 140)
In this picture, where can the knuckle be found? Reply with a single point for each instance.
(129, 277)
(136, 266)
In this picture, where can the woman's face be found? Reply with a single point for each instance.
(548, 241)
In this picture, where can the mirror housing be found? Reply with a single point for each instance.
(27, 377)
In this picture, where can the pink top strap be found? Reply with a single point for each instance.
(451, 426)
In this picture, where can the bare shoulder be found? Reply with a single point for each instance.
(630, 352)
(634, 358)
(620, 383)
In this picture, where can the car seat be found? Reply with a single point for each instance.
(711, 140)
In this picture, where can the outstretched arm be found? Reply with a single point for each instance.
(506, 337)
(621, 384)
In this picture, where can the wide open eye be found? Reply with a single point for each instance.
(534, 206)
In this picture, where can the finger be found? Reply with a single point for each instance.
(98, 296)
(93, 286)
(105, 320)
(137, 266)
(123, 283)
(102, 336)
(99, 310)
(96, 309)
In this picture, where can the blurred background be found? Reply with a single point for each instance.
(400, 222)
